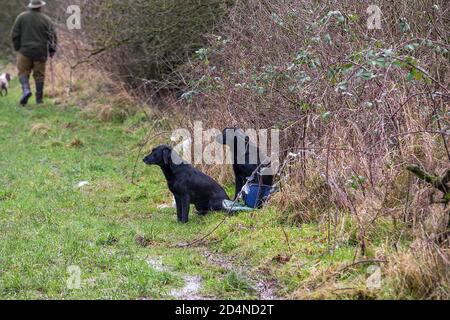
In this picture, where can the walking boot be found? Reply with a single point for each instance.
(26, 91)
(39, 92)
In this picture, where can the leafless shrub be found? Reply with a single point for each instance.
(357, 104)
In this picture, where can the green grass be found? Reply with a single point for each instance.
(48, 224)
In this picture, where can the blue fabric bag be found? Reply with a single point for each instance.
(251, 195)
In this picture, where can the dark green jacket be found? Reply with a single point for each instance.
(34, 36)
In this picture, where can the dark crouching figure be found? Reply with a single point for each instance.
(247, 160)
(34, 40)
(188, 185)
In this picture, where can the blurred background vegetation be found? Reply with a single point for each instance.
(10, 9)
(155, 37)
(8, 14)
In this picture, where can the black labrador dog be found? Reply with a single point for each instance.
(247, 158)
(188, 185)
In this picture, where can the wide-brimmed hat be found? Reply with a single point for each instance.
(35, 4)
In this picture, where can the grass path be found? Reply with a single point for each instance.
(112, 231)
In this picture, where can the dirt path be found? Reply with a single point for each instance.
(266, 289)
(192, 289)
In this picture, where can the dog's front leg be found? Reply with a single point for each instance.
(185, 202)
(239, 186)
(179, 207)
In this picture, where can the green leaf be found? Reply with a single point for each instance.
(353, 17)
(342, 86)
(326, 116)
(305, 106)
(348, 67)
(381, 62)
(415, 74)
(368, 104)
(411, 46)
(365, 75)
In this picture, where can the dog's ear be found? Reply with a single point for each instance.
(8, 77)
(167, 155)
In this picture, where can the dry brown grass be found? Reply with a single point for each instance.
(40, 129)
(75, 80)
(304, 203)
(76, 143)
(420, 273)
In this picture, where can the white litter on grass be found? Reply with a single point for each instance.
(157, 264)
(192, 284)
(82, 184)
(191, 289)
(166, 206)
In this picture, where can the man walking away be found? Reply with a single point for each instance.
(34, 39)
